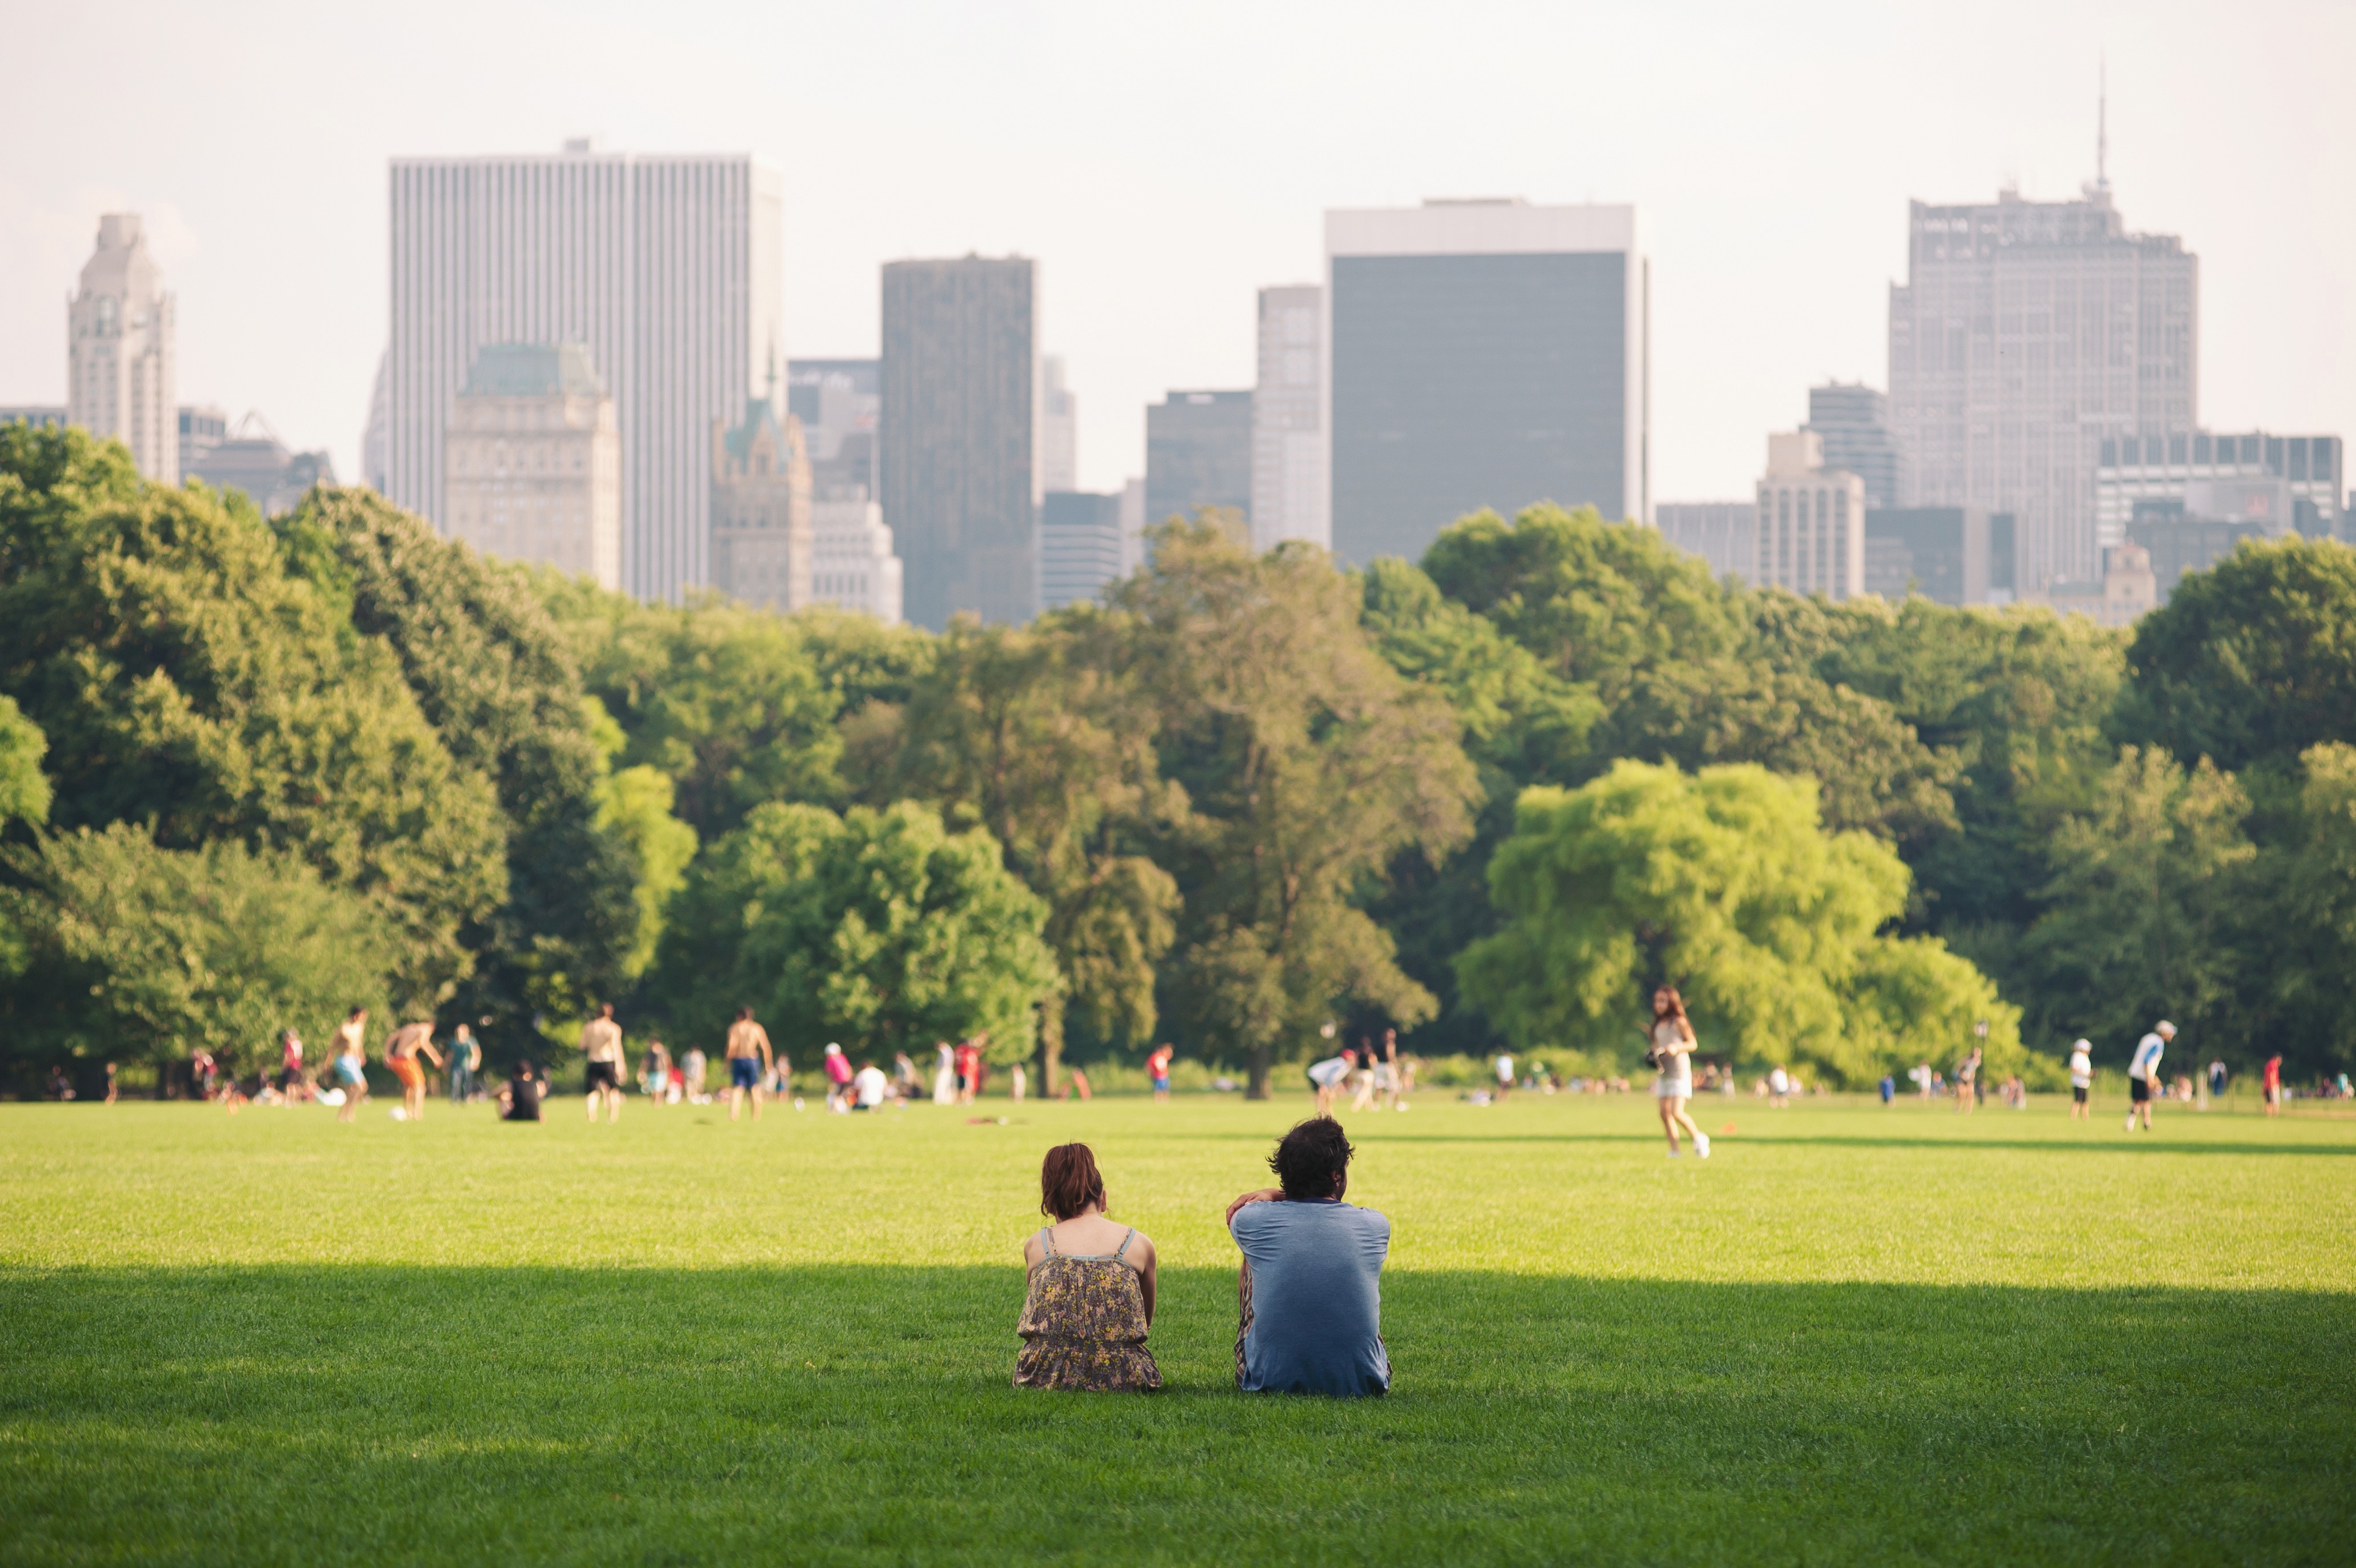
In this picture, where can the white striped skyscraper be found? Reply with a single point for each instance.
(668, 268)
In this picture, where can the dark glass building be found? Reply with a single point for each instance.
(958, 465)
(1481, 354)
(1198, 453)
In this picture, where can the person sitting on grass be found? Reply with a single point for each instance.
(519, 1095)
(1090, 1302)
(1309, 1295)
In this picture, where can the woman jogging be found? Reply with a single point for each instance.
(1672, 1044)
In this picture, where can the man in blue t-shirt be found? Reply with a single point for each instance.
(2143, 1073)
(1310, 1292)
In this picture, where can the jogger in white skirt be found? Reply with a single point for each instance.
(1673, 1044)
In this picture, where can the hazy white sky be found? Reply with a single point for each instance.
(1162, 161)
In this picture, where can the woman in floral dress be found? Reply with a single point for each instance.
(1091, 1298)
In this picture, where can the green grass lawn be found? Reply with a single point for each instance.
(1854, 1335)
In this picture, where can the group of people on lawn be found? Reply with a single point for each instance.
(1308, 1293)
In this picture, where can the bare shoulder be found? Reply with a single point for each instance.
(1032, 1252)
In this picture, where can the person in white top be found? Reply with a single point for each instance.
(1779, 1087)
(2082, 1077)
(1504, 1075)
(1326, 1078)
(2143, 1072)
(869, 1085)
(1673, 1044)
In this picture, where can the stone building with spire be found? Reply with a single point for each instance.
(120, 363)
(761, 539)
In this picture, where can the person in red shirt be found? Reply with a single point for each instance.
(1158, 1064)
(2274, 1085)
(838, 1078)
(969, 1069)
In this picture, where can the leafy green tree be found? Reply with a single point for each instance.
(1036, 733)
(880, 930)
(25, 792)
(494, 676)
(1308, 765)
(725, 699)
(185, 679)
(2251, 662)
(2310, 921)
(1724, 884)
(1594, 601)
(215, 947)
(2138, 922)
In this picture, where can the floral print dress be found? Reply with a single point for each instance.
(1083, 1325)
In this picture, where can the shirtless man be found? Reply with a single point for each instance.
(601, 1050)
(351, 1076)
(748, 1062)
(401, 1049)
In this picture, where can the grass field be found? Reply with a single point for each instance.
(1853, 1335)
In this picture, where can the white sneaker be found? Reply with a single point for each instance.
(1675, 1152)
(1701, 1145)
(2130, 1121)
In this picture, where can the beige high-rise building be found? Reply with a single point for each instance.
(121, 364)
(532, 461)
(761, 509)
(1811, 521)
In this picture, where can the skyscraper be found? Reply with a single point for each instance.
(1723, 533)
(1059, 430)
(1079, 546)
(1811, 521)
(1482, 354)
(120, 360)
(532, 465)
(1289, 481)
(669, 269)
(2026, 335)
(1854, 423)
(1198, 453)
(959, 459)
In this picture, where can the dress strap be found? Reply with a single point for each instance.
(1048, 1239)
(1124, 1244)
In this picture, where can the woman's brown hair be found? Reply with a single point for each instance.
(1677, 1009)
(1069, 1182)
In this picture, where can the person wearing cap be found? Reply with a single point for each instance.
(838, 1078)
(2143, 1072)
(2082, 1079)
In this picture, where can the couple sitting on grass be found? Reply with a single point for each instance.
(1309, 1294)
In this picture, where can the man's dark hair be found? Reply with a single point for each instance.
(1309, 1160)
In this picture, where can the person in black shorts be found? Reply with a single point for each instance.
(519, 1095)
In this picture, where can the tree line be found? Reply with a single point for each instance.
(255, 772)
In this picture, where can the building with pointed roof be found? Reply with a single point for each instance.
(120, 363)
(761, 508)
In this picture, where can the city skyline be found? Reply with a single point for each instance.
(283, 304)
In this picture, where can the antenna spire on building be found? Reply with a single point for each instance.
(2103, 124)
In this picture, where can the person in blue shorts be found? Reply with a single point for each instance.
(748, 1062)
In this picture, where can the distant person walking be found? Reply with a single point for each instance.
(351, 1065)
(1888, 1090)
(1157, 1066)
(1673, 1044)
(1505, 1066)
(2144, 1081)
(2081, 1080)
(691, 1069)
(401, 1048)
(945, 1074)
(602, 1063)
(2272, 1083)
(2216, 1079)
(1968, 1082)
(1779, 1086)
(1089, 1305)
(466, 1064)
(654, 1072)
(749, 1061)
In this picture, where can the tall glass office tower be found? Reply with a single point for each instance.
(1482, 354)
(669, 269)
